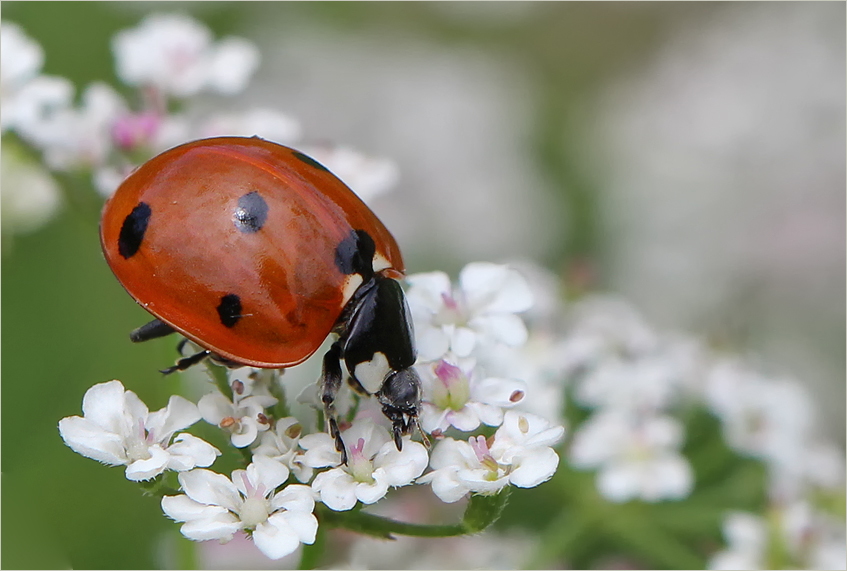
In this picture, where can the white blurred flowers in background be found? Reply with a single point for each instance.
(675, 449)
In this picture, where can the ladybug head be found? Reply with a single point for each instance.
(400, 397)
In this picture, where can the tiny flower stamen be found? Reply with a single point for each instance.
(516, 396)
(238, 387)
(359, 466)
(483, 454)
(228, 422)
(453, 391)
(138, 449)
(263, 419)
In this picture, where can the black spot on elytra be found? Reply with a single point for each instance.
(133, 230)
(229, 309)
(251, 213)
(355, 254)
(309, 161)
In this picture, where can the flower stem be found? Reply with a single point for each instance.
(481, 512)
(383, 527)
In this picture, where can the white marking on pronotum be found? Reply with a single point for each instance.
(351, 284)
(380, 262)
(372, 373)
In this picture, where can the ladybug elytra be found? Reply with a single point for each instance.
(257, 253)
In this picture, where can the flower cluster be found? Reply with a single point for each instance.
(169, 60)
(637, 385)
(483, 442)
(498, 354)
(458, 398)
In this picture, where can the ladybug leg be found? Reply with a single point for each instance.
(329, 387)
(186, 362)
(152, 330)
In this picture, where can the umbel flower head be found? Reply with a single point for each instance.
(519, 453)
(374, 465)
(118, 430)
(215, 507)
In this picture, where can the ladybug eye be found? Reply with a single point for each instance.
(229, 310)
(133, 230)
(251, 213)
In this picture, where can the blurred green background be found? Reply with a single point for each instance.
(66, 319)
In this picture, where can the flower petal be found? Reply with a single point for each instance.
(534, 466)
(320, 450)
(506, 328)
(221, 526)
(305, 524)
(188, 452)
(465, 420)
(92, 441)
(267, 472)
(210, 488)
(337, 489)
(275, 537)
(432, 342)
(446, 484)
(494, 288)
(488, 414)
(370, 493)
(182, 508)
(295, 497)
(214, 407)
(247, 434)
(426, 290)
(148, 467)
(178, 415)
(104, 405)
(497, 391)
(463, 341)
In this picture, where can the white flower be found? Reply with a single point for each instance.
(30, 196)
(367, 176)
(793, 536)
(21, 57)
(117, 429)
(761, 416)
(464, 399)
(480, 311)
(107, 179)
(637, 456)
(746, 536)
(81, 137)
(244, 418)
(260, 122)
(175, 54)
(646, 382)
(282, 444)
(373, 464)
(215, 507)
(26, 97)
(519, 453)
(771, 419)
(604, 325)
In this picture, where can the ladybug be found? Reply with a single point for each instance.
(257, 253)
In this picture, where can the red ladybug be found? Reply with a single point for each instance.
(257, 253)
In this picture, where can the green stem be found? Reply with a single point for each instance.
(383, 527)
(482, 511)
